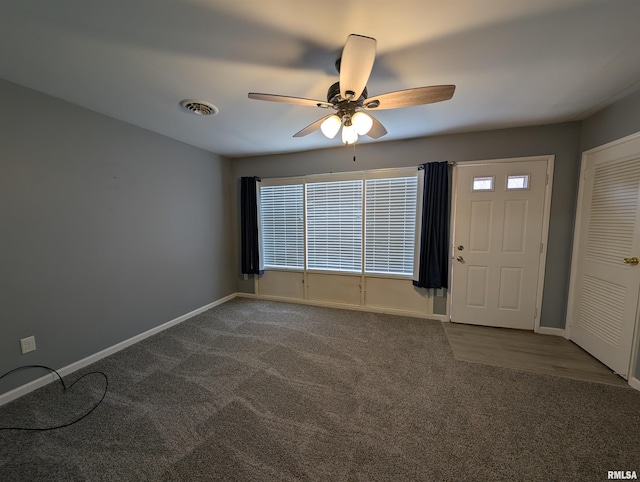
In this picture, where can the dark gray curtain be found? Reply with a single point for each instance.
(249, 225)
(433, 269)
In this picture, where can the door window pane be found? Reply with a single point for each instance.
(484, 183)
(520, 181)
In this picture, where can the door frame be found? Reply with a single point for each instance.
(576, 248)
(550, 160)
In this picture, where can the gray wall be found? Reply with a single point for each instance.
(108, 230)
(563, 140)
(614, 122)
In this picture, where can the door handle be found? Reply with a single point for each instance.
(632, 261)
(460, 259)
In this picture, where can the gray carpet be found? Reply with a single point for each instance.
(266, 391)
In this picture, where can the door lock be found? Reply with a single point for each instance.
(632, 261)
(460, 248)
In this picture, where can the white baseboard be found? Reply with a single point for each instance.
(328, 304)
(544, 330)
(241, 294)
(42, 381)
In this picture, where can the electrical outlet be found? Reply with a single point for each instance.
(28, 344)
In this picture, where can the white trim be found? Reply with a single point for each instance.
(506, 159)
(328, 304)
(258, 218)
(44, 380)
(634, 382)
(545, 330)
(577, 227)
(279, 181)
(417, 234)
(544, 239)
(635, 349)
(343, 175)
(452, 236)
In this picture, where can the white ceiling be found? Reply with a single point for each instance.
(514, 62)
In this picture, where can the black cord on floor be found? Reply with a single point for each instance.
(106, 386)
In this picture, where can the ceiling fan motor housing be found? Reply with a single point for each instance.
(333, 95)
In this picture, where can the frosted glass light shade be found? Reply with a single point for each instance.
(331, 126)
(349, 134)
(362, 122)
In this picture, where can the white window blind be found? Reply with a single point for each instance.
(334, 226)
(282, 224)
(390, 223)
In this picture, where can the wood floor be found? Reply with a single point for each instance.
(524, 350)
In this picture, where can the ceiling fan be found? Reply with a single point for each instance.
(349, 97)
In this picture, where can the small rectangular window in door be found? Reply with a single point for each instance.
(518, 182)
(482, 183)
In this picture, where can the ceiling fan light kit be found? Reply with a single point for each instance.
(349, 97)
(331, 126)
(349, 134)
(362, 122)
(353, 126)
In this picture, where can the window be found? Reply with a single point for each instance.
(282, 226)
(353, 223)
(518, 182)
(390, 225)
(483, 183)
(334, 225)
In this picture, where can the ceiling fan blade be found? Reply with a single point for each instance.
(290, 100)
(410, 97)
(311, 127)
(356, 63)
(377, 130)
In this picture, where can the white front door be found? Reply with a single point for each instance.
(605, 279)
(497, 242)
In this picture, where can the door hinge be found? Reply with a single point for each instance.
(541, 247)
(546, 180)
(535, 313)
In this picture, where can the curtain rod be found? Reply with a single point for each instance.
(451, 163)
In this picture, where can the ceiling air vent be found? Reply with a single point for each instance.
(199, 107)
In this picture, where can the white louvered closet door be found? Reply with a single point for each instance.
(604, 304)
